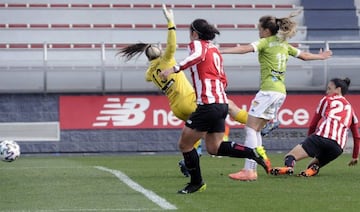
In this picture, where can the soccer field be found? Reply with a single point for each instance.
(149, 183)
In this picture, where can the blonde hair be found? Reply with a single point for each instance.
(284, 28)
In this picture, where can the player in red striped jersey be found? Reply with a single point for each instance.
(328, 132)
(208, 120)
(177, 88)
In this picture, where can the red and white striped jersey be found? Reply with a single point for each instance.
(207, 72)
(333, 118)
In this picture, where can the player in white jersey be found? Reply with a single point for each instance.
(328, 132)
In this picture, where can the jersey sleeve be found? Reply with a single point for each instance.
(171, 42)
(258, 45)
(317, 116)
(197, 54)
(152, 67)
(295, 52)
(313, 124)
(148, 74)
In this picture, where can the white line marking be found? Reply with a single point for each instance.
(85, 209)
(45, 167)
(135, 186)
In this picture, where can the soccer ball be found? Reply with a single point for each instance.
(9, 151)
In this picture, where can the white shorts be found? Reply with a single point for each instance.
(266, 104)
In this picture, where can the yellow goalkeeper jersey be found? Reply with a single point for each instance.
(177, 87)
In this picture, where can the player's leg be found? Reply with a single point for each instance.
(236, 113)
(296, 154)
(264, 107)
(327, 152)
(208, 121)
(270, 126)
(233, 149)
(249, 172)
(183, 169)
(241, 116)
(192, 161)
(308, 148)
(182, 110)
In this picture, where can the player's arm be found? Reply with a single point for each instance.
(322, 55)
(313, 124)
(148, 74)
(242, 49)
(317, 116)
(195, 57)
(171, 37)
(355, 133)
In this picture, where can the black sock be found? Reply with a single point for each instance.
(235, 150)
(193, 164)
(290, 161)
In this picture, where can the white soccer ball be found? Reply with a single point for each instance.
(9, 151)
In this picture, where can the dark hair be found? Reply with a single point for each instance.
(342, 83)
(137, 49)
(205, 30)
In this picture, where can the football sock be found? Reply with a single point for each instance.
(233, 149)
(197, 144)
(193, 164)
(251, 141)
(290, 161)
(259, 138)
(226, 134)
(241, 116)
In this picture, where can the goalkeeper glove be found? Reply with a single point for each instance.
(169, 15)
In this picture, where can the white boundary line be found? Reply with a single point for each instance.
(135, 186)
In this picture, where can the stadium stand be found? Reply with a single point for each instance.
(326, 19)
(57, 42)
(55, 47)
(332, 20)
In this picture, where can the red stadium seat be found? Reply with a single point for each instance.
(123, 26)
(220, 26)
(243, 6)
(39, 26)
(143, 6)
(104, 26)
(224, 6)
(262, 6)
(38, 5)
(59, 26)
(120, 6)
(80, 5)
(98, 45)
(59, 5)
(119, 26)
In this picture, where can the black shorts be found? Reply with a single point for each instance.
(324, 149)
(208, 118)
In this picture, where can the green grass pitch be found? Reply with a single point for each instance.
(75, 183)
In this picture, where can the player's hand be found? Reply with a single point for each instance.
(169, 15)
(325, 54)
(165, 73)
(353, 162)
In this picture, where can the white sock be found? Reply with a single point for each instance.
(259, 138)
(251, 142)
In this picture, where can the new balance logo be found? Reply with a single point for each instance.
(130, 113)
